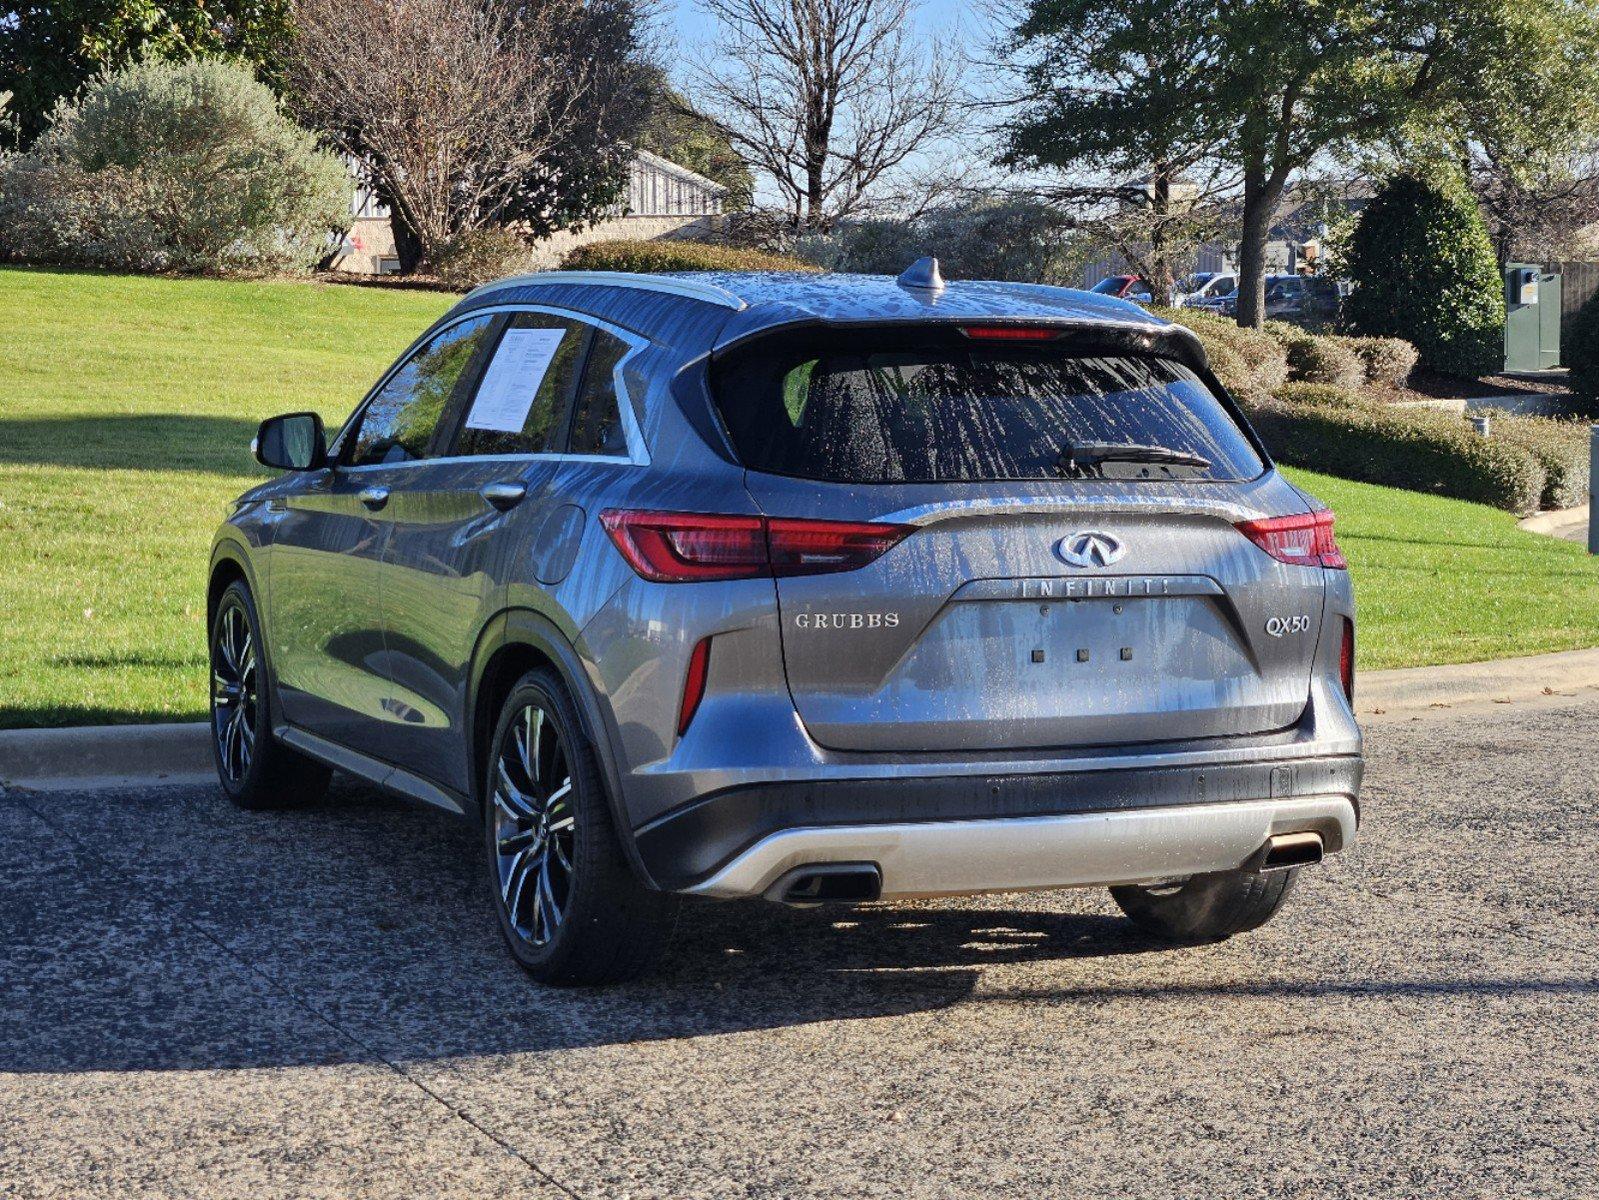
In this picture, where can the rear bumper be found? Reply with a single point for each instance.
(931, 858)
(956, 834)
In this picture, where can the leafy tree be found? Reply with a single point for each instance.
(1267, 86)
(1423, 269)
(676, 130)
(51, 48)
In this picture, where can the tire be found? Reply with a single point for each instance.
(1207, 908)
(571, 908)
(254, 769)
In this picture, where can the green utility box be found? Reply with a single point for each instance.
(1532, 318)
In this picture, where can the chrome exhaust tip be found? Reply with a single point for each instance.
(828, 883)
(1284, 851)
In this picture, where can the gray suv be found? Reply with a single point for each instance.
(812, 588)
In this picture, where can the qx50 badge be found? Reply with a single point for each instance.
(1089, 549)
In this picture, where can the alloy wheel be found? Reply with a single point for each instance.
(533, 825)
(234, 695)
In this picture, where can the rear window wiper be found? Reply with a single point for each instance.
(1091, 454)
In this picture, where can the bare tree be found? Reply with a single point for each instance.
(465, 113)
(826, 98)
(1542, 207)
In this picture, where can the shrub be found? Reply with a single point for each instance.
(197, 152)
(1424, 270)
(1314, 358)
(1323, 395)
(1561, 448)
(480, 256)
(54, 212)
(648, 257)
(985, 237)
(1247, 361)
(1423, 450)
(1387, 360)
(1580, 348)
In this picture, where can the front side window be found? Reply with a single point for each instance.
(521, 404)
(398, 424)
(948, 413)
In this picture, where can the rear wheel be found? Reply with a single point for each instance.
(255, 770)
(1206, 908)
(570, 907)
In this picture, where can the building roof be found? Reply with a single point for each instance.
(677, 171)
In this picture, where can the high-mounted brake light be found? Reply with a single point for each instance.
(1010, 333)
(671, 547)
(1303, 541)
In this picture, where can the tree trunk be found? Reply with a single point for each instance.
(1160, 268)
(1262, 194)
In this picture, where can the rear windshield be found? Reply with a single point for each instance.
(977, 413)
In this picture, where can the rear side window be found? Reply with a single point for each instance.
(976, 413)
(596, 417)
(521, 402)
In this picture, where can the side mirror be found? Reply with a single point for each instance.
(294, 442)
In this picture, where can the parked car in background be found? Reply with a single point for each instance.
(1204, 286)
(1125, 287)
(1298, 299)
(746, 585)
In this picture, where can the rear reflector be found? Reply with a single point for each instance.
(1011, 333)
(1346, 660)
(668, 547)
(694, 685)
(1305, 540)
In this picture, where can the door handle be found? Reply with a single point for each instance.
(504, 496)
(373, 497)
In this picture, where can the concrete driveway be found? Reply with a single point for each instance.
(196, 1001)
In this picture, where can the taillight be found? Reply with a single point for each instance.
(683, 547)
(1346, 660)
(1304, 541)
(694, 685)
(1011, 333)
(669, 547)
(816, 547)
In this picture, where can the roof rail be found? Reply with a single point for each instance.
(675, 285)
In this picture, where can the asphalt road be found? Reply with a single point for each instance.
(196, 1001)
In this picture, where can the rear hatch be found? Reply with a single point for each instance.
(1069, 574)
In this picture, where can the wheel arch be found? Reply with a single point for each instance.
(513, 643)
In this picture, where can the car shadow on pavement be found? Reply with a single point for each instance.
(201, 937)
(162, 929)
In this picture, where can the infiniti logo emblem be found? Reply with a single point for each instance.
(1089, 549)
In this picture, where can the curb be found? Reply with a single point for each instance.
(144, 755)
(1500, 680)
(105, 756)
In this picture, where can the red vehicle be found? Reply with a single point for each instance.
(1125, 287)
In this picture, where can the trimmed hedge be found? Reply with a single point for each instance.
(1247, 361)
(1315, 359)
(1561, 448)
(1388, 360)
(1422, 450)
(649, 257)
(480, 256)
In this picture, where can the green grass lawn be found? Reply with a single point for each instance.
(126, 411)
